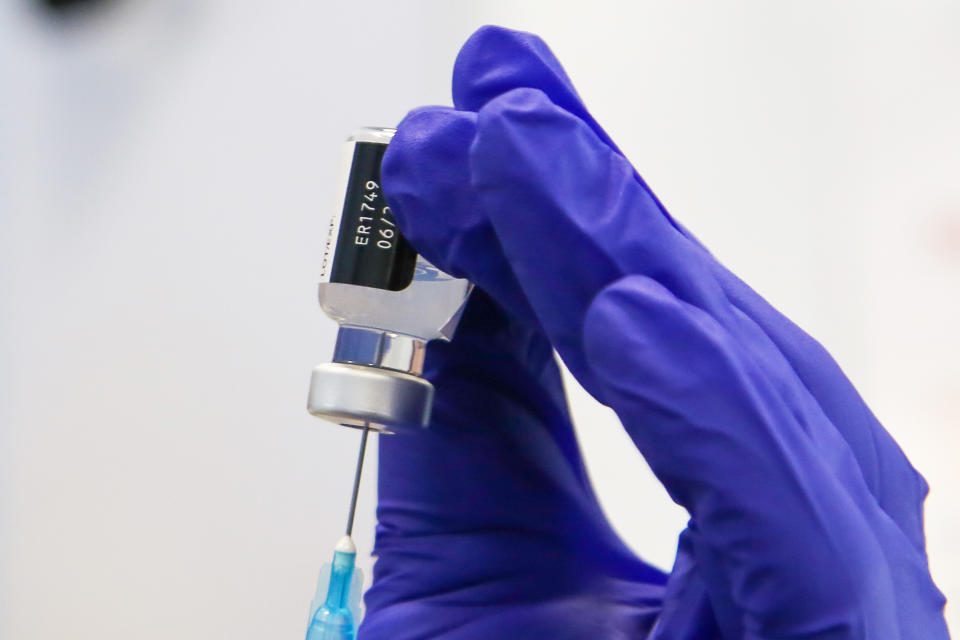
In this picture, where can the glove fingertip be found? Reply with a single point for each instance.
(519, 102)
(495, 60)
(426, 138)
(523, 138)
(424, 167)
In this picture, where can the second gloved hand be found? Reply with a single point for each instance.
(805, 516)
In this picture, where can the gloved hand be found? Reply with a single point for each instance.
(805, 516)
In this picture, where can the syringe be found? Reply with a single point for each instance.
(335, 609)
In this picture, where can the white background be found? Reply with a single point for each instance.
(165, 174)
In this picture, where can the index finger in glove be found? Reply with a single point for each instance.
(495, 61)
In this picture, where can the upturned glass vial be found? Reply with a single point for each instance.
(388, 301)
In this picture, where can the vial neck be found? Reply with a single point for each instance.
(383, 349)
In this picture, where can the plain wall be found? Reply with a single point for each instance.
(166, 170)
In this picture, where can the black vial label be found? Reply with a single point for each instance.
(370, 249)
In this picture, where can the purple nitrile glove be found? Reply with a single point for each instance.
(805, 516)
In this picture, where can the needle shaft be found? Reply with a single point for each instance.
(356, 479)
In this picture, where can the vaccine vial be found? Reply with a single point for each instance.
(388, 301)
